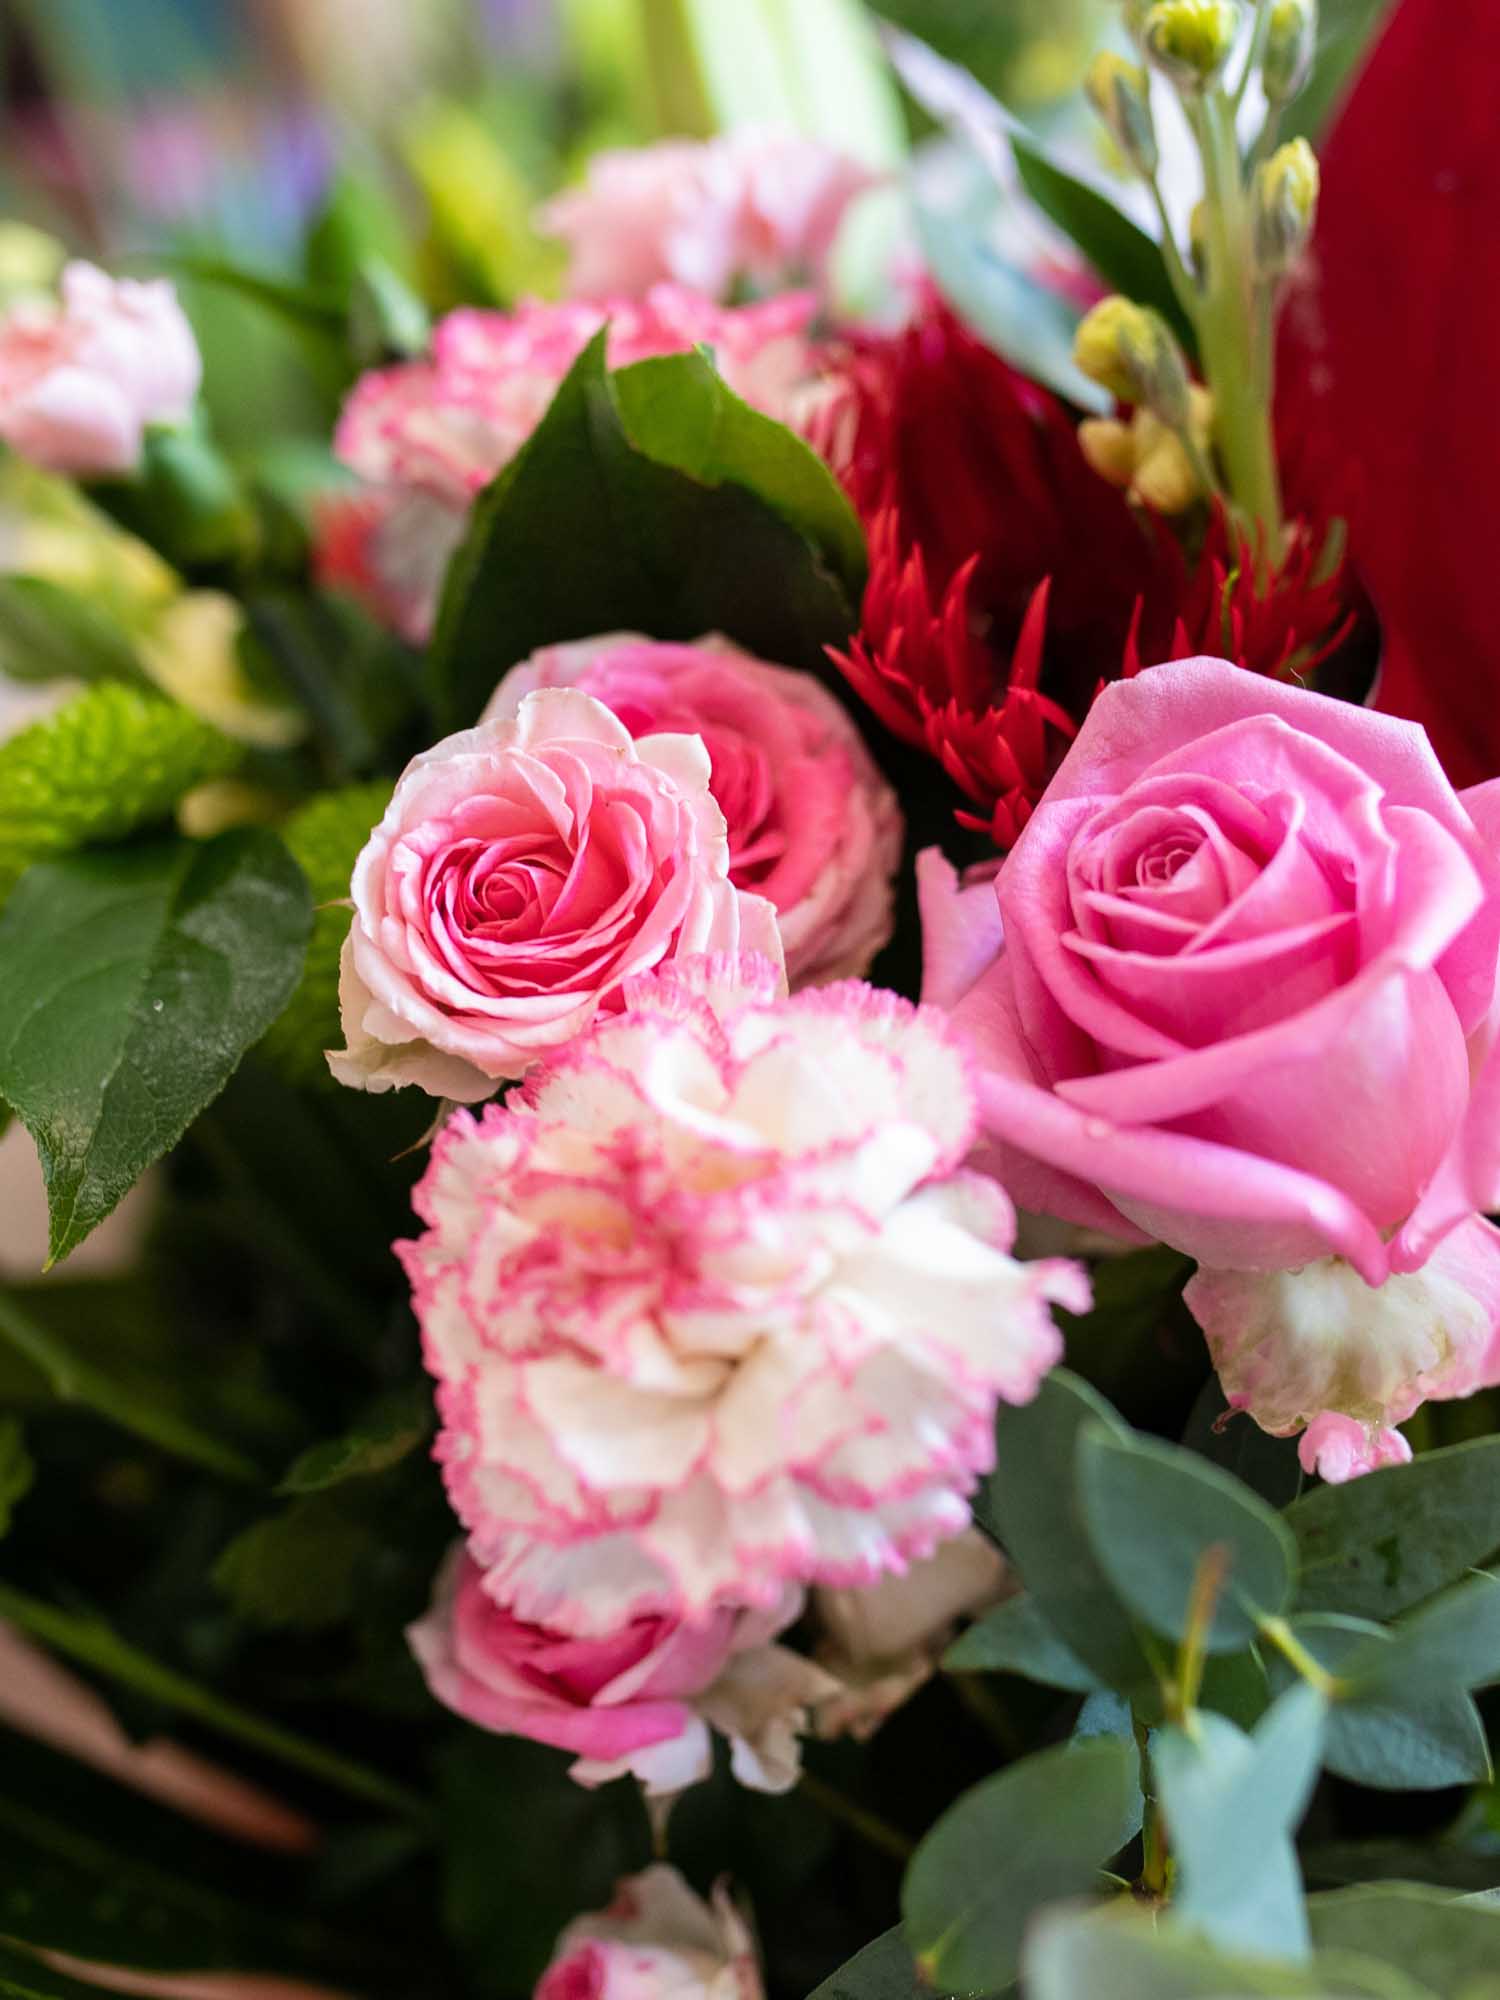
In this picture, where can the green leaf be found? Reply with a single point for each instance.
(298, 1568)
(1345, 32)
(1015, 1638)
(883, 1970)
(1237, 1445)
(114, 759)
(1153, 1511)
(1375, 1546)
(1127, 259)
(585, 531)
(142, 1408)
(48, 633)
(1450, 1643)
(1030, 1506)
(324, 838)
(1233, 1803)
(130, 985)
(16, 1470)
(392, 1427)
(1036, 1833)
(386, 317)
(1450, 1943)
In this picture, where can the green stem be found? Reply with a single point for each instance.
(92, 1643)
(868, 1825)
(1155, 1855)
(1177, 272)
(1279, 1634)
(1255, 53)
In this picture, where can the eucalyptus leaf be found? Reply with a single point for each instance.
(883, 1970)
(131, 983)
(1035, 1834)
(1451, 1943)
(1450, 1643)
(1015, 1638)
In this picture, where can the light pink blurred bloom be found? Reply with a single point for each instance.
(523, 871)
(656, 1941)
(711, 1308)
(425, 436)
(812, 825)
(637, 1700)
(81, 379)
(757, 204)
(1246, 1004)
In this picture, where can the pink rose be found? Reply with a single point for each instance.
(812, 826)
(710, 1308)
(656, 1941)
(638, 1699)
(81, 380)
(523, 872)
(426, 436)
(756, 204)
(1246, 1003)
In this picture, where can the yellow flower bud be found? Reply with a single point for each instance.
(220, 803)
(1135, 17)
(1190, 40)
(1129, 349)
(1109, 447)
(1164, 479)
(1120, 92)
(1284, 203)
(1291, 37)
(1149, 459)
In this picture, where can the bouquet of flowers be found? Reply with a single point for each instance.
(781, 1015)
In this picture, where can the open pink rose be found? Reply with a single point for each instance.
(425, 436)
(523, 872)
(658, 1940)
(1246, 1003)
(638, 1699)
(760, 203)
(81, 380)
(812, 826)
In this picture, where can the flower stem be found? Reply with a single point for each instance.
(868, 1825)
(1284, 1639)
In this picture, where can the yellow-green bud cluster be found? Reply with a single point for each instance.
(1190, 40)
(1120, 92)
(1130, 351)
(1291, 37)
(1284, 203)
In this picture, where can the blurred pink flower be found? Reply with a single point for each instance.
(523, 871)
(711, 1308)
(812, 825)
(759, 204)
(81, 379)
(426, 436)
(656, 1941)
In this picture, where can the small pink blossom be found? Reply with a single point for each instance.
(756, 205)
(426, 436)
(638, 1700)
(80, 380)
(711, 1307)
(656, 1941)
(1245, 1002)
(523, 872)
(812, 826)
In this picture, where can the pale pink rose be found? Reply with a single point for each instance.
(812, 825)
(656, 1941)
(637, 1700)
(757, 204)
(711, 1309)
(523, 872)
(1246, 1003)
(80, 380)
(426, 436)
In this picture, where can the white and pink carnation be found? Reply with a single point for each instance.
(812, 825)
(426, 436)
(759, 205)
(658, 1940)
(523, 872)
(639, 1700)
(712, 1307)
(81, 378)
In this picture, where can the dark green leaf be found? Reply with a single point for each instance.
(1237, 1445)
(298, 1568)
(1233, 1803)
(884, 1970)
(391, 1428)
(1153, 1511)
(1127, 259)
(1029, 1504)
(1450, 1943)
(1015, 1638)
(130, 985)
(50, 633)
(16, 1470)
(306, 309)
(586, 531)
(1450, 1643)
(1035, 1834)
(1378, 1545)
